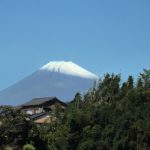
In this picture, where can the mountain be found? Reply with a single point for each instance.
(57, 78)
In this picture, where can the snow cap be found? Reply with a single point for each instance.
(69, 68)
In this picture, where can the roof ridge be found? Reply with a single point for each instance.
(39, 101)
(44, 97)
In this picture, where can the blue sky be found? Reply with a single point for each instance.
(100, 35)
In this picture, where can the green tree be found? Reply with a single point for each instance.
(13, 122)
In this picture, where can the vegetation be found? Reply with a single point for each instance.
(28, 147)
(8, 148)
(111, 116)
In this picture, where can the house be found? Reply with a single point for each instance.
(41, 110)
(40, 105)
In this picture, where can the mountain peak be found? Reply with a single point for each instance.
(57, 78)
(69, 68)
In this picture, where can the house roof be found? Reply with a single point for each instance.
(40, 101)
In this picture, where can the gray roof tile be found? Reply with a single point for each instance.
(38, 101)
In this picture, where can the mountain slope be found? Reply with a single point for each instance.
(61, 79)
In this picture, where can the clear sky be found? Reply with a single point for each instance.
(100, 35)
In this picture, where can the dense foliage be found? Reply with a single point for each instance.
(111, 116)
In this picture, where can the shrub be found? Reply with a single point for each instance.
(8, 148)
(28, 147)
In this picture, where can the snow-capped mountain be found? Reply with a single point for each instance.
(57, 78)
(68, 68)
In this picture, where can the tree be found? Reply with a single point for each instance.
(13, 122)
(145, 76)
(130, 83)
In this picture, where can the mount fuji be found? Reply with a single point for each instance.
(57, 78)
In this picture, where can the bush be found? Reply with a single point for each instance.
(28, 147)
(8, 148)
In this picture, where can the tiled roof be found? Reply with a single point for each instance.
(38, 101)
